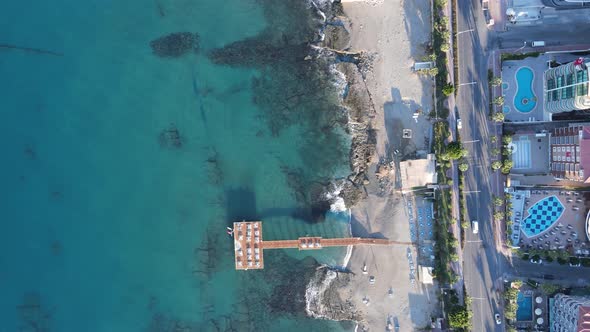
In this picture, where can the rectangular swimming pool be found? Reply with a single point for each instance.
(524, 313)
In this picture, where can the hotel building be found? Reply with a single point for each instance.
(569, 314)
(566, 87)
(569, 149)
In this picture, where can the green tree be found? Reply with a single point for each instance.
(444, 46)
(498, 201)
(498, 101)
(495, 81)
(448, 89)
(463, 167)
(549, 288)
(459, 318)
(506, 139)
(510, 310)
(454, 151)
(498, 117)
(498, 216)
(507, 166)
(493, 139)
(495, 151)
(440, 3)
(496, 165)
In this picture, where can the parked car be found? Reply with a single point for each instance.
(536, 261)
(498, 320)
(372, 280)
(575, 265)
(459, 124)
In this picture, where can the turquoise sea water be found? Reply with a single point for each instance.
(107, 229)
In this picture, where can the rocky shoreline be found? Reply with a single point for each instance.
(323, 293)
(323, 298)
(358, 101)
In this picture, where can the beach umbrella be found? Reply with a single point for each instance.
(539, 299)
(540, 321)
(538, 311)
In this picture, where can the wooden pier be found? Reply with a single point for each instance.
(249, 246)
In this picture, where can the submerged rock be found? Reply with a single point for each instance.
(170, 137)
(175, 44)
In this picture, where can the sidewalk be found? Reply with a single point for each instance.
(498, 14)
(457, 267)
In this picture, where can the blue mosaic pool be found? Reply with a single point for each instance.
(524, 313)
(541, 216)
(524, 100)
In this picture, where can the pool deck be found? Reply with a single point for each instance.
(537, 153)
(509, 68)
(571, 221)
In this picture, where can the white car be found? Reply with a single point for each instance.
(475, 226)
(459, 124)
(498, 320)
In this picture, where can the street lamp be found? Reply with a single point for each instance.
(523, 46)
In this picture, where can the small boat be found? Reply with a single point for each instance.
(229, 229)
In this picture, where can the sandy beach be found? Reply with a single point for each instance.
(395, 33)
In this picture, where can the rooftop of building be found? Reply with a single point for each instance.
(418, 172)
(584, 319)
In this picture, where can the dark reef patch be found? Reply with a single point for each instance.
(298, 87)
(33, 315)
(171, 138)
(175, 44)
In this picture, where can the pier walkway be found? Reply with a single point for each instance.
(248, 240)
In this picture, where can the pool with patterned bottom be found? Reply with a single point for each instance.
(542, 216)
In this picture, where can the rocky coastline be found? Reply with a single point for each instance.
(323, 294)
(353, 64)
(323, 299)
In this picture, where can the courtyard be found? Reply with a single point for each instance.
(549, 220)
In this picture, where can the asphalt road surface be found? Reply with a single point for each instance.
(483, 264)
(484, 267)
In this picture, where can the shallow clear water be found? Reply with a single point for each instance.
(105, 228)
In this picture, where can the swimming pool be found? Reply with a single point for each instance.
(542, 216)
(524, 313)
(524, 100)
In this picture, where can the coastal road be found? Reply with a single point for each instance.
(483, 264)
(560, 274)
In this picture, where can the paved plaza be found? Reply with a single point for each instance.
(550, 219)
